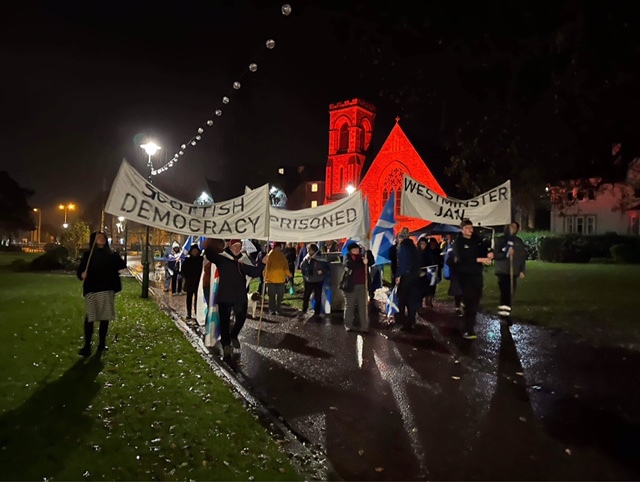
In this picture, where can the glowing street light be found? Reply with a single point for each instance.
(39, 211)
(66, 208)
(350, 189)
(150, 148)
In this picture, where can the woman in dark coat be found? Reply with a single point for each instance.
(99, 273)
(191, 273)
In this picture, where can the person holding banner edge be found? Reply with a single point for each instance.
(471, 253)
(511, 259)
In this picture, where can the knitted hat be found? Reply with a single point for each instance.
(175, 245)
(234, 241)
(351, 246)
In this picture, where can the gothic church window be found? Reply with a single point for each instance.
(343, 144)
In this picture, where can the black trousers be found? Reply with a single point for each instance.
(409, 300)
(504, 283)
(471, 285)
(224, 310)
(88, 332)
(192, 301)
(176, 279)
(316, 289)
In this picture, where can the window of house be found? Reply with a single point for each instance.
(591, 194)
(590, 226)
(636, 193)
(314, 187)
(634, 227)
(579, 224)
(343, 142)
(314, 204)
(569, 224)
(570, 196)
(580, 195)
(281, 170)
(385, 197)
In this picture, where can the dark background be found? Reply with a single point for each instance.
(549, 84)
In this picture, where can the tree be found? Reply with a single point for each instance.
(75, 236)
(15, 212)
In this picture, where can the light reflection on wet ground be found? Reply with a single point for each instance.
(516, 404)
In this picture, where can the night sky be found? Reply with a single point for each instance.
(82, 84)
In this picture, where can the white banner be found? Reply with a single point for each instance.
(133, 197)
(489, 209)
(340, 219)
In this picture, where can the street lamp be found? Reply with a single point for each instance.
(37, 210)
(150, 148)
(66, 208)
(350, 189)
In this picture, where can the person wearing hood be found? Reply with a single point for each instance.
(471, 253)
(176, 257)
(407, 274)
(191, 273)
(354, 289)
(99, 273)
(314, 271)
(233, 267)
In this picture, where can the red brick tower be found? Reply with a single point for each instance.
(350, 130)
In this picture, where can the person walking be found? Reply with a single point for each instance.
(354, 289)
(99, 272)
(407, 274)
(276, 273)
(191, 273)
(471, 253)
(291, 255)
(174, 264)
(511, 259)
(313, 272)
(233, 268)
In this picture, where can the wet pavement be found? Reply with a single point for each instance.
(518, 403)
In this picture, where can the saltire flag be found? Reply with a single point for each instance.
(382, 237)
(432, 273)
(392, 302)
(347, 243)
(326, 293)
(190, 240)
(212, 317)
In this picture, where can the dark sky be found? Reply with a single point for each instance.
(82, 83)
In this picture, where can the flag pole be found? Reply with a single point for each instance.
(264, 287)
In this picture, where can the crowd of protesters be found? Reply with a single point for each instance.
(416, 270)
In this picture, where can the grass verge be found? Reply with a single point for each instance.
(150, 409)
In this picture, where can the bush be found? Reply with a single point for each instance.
(626, 253)
(12, 248)
(532, 242)
(577, 248)
(53, 259)
(19, 265)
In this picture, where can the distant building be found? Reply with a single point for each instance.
(303, 185)
(595, 206)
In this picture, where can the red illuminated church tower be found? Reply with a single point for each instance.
(350, 130)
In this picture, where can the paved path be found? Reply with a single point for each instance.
(516, 404)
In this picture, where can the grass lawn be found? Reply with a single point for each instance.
(150, 409)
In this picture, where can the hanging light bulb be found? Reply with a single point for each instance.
(236, 85)
(193, 143)
(209, 122)
(286, 10)
(225, 100)
(253, 67)
(181, 152)
(198, 137)
(184, 146)
(200, 130)
(271, 43)
(218, 112)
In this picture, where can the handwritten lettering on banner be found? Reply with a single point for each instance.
(489, 209)
(133, 197)
(340, 219)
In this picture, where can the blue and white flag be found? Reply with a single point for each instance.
(392, 302)
(191, 240)
(432, 273)
(382, 237)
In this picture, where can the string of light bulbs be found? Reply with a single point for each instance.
(226, 99)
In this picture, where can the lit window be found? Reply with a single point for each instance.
(281, 170)
(314, 187)
(591, 225)
(568, 227)
(579, 227)
(314, 204)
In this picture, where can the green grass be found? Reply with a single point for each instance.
(7, 258)
(150, 409)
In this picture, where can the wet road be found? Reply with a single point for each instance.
(516, 404)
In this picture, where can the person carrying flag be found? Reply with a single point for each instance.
(511, 259)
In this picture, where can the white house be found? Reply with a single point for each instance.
(591, 206)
